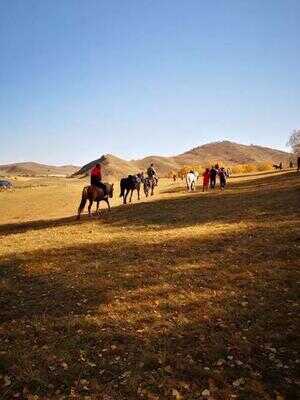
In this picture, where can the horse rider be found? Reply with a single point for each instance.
(96, 178)
(152, 174)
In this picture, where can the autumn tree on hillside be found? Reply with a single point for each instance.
(294, 141)
(187, 168)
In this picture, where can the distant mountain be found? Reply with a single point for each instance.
(36, 169)
(225, 152)
(232, 153)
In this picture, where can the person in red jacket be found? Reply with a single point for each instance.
(206, 176)
(96, 177)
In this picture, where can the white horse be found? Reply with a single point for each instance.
(191, 179)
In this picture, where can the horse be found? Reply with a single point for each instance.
(129, 184)
(191, 179)
(149, 185)
(277, 166)
(93, 193)
(5, 185)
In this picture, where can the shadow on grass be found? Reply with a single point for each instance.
(125, 316)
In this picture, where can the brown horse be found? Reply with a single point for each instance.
(93, 193)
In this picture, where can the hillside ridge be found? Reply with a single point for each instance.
(32, 168)
(224, 152)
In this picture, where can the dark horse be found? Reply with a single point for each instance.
(93, 193)
(277, 166)
(149, 185)
(129, 184)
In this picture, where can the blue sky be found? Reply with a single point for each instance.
(139, 77)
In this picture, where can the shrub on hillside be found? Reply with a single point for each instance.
(264, 166)
(235, 169)
(248, 168)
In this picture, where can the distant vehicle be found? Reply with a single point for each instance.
(5, 184)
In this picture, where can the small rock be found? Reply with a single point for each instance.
(64, 365)
(7, 381)
(205, 393)
(238, 382)
(176, 394)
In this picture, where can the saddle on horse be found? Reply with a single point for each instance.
(95, 181)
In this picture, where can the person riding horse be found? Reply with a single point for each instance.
(96, 178)
(152, 174)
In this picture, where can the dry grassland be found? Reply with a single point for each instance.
(182, 296)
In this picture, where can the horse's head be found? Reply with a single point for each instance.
(140, 176)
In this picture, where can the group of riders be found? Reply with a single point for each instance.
(99, 191)
(152, 177)
(149, 181)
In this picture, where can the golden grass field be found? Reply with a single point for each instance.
(181, 296)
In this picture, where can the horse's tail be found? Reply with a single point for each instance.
(84, 198)
(122, 187)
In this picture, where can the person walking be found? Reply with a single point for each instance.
(222, 176)
(212, 176)
(206, 176)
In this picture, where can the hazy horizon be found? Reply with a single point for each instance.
(141, 78)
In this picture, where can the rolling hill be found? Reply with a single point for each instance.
(36, 169)
(225, 152)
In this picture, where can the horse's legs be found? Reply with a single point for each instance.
(138, 190)
(107, 202)
(125, 196)
(131, 193)
(89, 208)
(97, 208)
